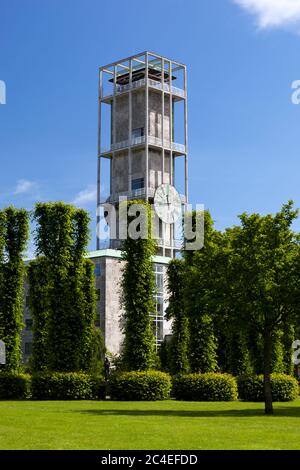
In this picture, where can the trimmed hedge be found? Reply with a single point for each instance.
(98, 387)
(205, 387)
(67, 386)
(284, 387)
(136, 386)
(14, 385)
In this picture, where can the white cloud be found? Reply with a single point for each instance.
(86, 196)
(25, 186)
(273, 13)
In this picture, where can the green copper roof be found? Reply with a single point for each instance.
(118, 254)
(109, 253)
(101, 253)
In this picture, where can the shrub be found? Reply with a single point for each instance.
(205, 387)
(98, 387)
(148, 385)
(14, 385)
(284, 387)
(66, 386)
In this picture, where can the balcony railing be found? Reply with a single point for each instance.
(142, 140)
(142, 83)
(133, 194)
(174, 90)
(178, 147)
(131, 86)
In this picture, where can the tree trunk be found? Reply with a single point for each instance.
(267, 372)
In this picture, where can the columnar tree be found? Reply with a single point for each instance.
(233, 354)
(91, 342)
(215, 341)
(39, 285)
(138, 288)
(233, 348)
(199, 290)
(265, 281)
(179, 346)
(64, 317)
(14, 231)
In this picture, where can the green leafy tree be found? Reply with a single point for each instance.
(179, 346)
(264, 278)
(199, 290)
(215, 343)
(233, 354)
(14, 231)
(138, 288)
(39, 282)
(98, 353)
(91, 344)
(64, 317)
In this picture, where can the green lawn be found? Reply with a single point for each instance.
(144, 425)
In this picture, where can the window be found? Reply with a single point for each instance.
(159, 278)
(28, 348)
(97, 295)
(158, 268)
(27, 301)
(138, 132)
(158, 331)
(97, 269)
(28, 324)
(137, 184)
(158, 315)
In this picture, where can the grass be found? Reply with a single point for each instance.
(147, 425)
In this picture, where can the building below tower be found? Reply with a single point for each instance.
(108, 271)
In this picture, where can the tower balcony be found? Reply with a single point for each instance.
(178, 93)
(134, 194)
(154, 141)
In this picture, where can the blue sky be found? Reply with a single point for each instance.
(242, 57)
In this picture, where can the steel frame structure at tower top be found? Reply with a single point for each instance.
(146, 71)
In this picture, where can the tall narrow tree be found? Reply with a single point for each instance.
(14, 230)
(39, 285)
(179, 346)
(138, 287)
(200, 288)
(67, 326)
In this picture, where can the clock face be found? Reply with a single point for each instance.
(167, 203)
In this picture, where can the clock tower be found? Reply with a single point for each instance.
(142, 137)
